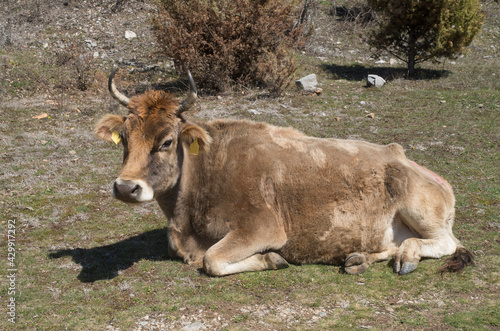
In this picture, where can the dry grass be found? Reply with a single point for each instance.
(86, 261)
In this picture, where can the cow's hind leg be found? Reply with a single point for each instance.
(428, 212)
(357, 263)
(434, 237)
(238, 252)
(413, 249)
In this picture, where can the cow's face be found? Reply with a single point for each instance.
(155, 142)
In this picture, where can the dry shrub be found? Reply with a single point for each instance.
(357, 11)
(84, 64)
(81, 60)
(228, 42)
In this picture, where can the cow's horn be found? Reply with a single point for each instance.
(121, 98)
(188, 103)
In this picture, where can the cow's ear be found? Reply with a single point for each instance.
(109, 125)
(192, 134)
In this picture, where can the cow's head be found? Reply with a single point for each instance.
(155, 141)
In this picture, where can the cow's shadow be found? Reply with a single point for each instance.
(105, 262)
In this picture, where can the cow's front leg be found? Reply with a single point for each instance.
(256, 262)
(186, 246)
(240, 252)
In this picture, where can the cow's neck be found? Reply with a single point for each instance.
(168, 200)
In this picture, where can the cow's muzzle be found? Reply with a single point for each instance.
(132, 190)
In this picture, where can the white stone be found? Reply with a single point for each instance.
(374, 80)
(197, 325)
(307, 83)
(129, 35)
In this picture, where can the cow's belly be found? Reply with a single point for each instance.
(330, 239)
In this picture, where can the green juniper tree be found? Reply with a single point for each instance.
(416, 31)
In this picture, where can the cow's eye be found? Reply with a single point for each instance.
(166, 144)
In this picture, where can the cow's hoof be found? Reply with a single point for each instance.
(408, 267)
(396, 267)
(355, 259)
(275, 261)
(355, 264)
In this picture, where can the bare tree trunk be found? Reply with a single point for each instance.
(307, 13)
(411, 55)
(411, 66)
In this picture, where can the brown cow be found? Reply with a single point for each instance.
(244, 196)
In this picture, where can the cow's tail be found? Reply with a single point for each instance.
(458, 261)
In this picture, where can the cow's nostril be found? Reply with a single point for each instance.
(135, 189)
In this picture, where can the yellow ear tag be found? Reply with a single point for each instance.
(194, 148)
(115, 136)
